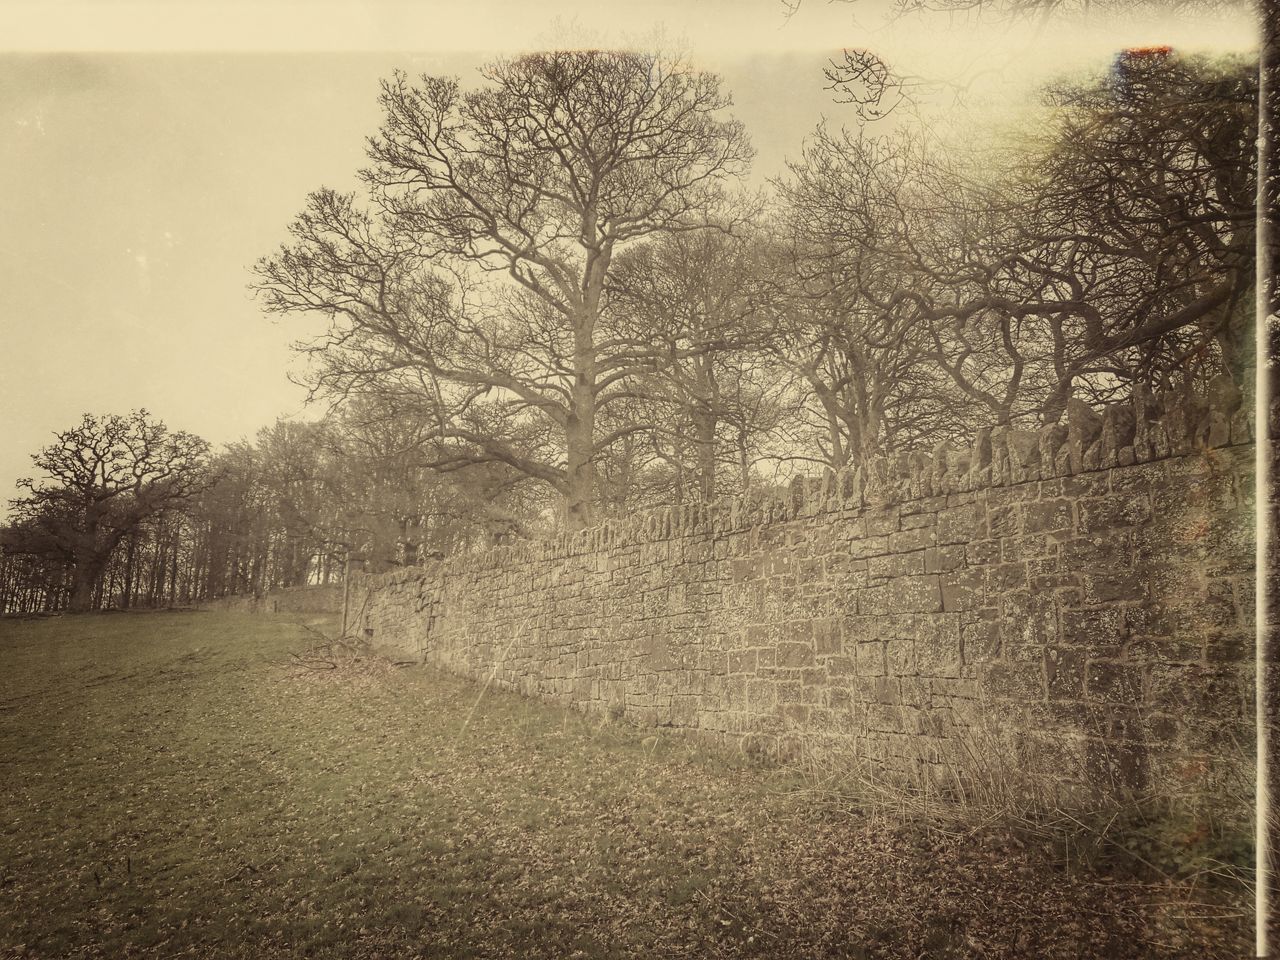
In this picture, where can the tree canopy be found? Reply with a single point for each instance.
(103, 479)
(543, 175)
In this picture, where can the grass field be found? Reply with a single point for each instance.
(170, 786)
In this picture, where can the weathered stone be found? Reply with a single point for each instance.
(962, 590)
(1065, 673)
(1108, 513)
(1144, 413)
(1023, 447)
(960, 524)
(896, 565)
(911, 594)
(1015, 681)
(981, 455)
(1100, 630)
(957, 465)
(1117, 433)
(1047, 515)
(871, 659)
(792, 654)
(943, 559)
(1084, 426)
(1113, 682)
(939, 652)
(1126, 585)
(1242, 426)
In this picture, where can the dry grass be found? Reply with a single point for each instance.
(177, 785)
(1191, 852)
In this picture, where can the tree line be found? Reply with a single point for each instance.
(555, 301)
(130, 514)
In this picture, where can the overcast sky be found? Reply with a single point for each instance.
(152, 152)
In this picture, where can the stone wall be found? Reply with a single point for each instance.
(1077, 600)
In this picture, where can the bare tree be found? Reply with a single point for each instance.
(543, 175)
(102, 480)
(704, 301)
(863, 79)
(1119, 249)
(854, 222)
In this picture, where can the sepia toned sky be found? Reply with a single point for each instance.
(151, 152)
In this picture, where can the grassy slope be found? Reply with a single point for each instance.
(167, 789)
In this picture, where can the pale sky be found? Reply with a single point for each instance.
(151, 152)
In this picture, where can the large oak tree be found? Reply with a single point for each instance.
(542, 175)
(103, 479)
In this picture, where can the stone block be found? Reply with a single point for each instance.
(1046, 515)
(1156, 648)
(1053, 455)
(900, 657)
(1003, 577)
(826, 636)
(1107, 513)
(886, 690)
(1111, 681)
(788, 691)
(921, 594)
(793, 655)
(1065, 673)
(1111, 547)
(943, 559)
(1084, 426)
(939, 651)
(883, 717)
(871, 659)
(960, 524)
(841, 666)
(1014, 681)
(761, 695)
(1126, 585)
(1030, 617)
(868, 547)
(1004, 521)
(896, 564)
(882, 522)
(1033, 547)
(1100, 630)
(982, 552)
(981, 641)
(917, 538)
(962, 590)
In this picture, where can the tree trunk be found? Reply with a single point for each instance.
(580, 426)
(84, 584)
(580, 462)
(126, 595)
(1056, 405)
(704, 426)
(173, 564)
(870, 433)
(580, 429)
(839, 453)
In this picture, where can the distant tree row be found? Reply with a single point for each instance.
(129, 514)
